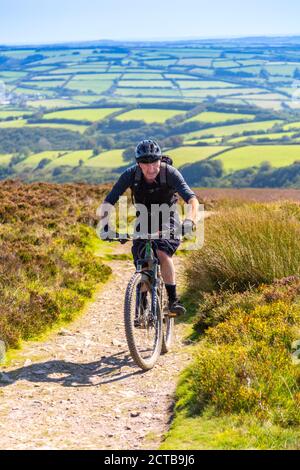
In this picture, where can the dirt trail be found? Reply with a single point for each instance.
(80, 390)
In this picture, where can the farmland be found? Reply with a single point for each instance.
(244, 157)
(197, 99)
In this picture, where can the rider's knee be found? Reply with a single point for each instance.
(163, 256)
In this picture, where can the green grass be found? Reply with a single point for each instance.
(96, 86)
(72, 158)
(234, 129)
(186, 154)
(291, 125)
(265, 104)
(86, 98)
(244, 157)
(95, 77)
(72, 127)
(12, 113)
(194, 61)
(5, 159)
(14, 123)
(209, 432)
(281, 69)
(271, 136)
(205, 84)
(44, 83)
(86, 114)
(149, 115)
(33, 160)
(142, 76)
(225, 64)
(215, 117)
(54, 103)
(242, 389)
(109, 159)
(164, 92)
(246, 246)
(145, 83)
(34, 91)
(203, 93)
(11, 76)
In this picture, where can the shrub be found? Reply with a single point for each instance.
(244, 247)
(47, 264)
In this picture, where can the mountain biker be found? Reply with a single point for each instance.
(148, 189)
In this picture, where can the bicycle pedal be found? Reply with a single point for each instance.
(171, 315)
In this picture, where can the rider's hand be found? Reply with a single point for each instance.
(188, 227)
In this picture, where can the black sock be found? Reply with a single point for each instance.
(171, 291)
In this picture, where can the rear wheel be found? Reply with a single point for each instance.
(143, 321)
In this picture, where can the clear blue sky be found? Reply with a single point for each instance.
(49, 21)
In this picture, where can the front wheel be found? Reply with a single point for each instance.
(143, 321)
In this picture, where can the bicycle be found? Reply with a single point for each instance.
(148, 323)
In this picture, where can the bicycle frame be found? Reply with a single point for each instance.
(152, 271)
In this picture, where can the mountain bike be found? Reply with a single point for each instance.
(148, 323)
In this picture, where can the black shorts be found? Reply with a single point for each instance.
(167, 246)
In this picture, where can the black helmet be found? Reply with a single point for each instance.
(147, 151)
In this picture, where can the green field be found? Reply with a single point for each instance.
(214, 117)
(51, 103)
(33, 160)
(258, 137)
(5, 159)
(189, 154)
(95, 86)
(145, 84)
(107, 160)
(71, 127)
(292, 125)
(244, 157)
(14, 123)
(71, 158)
(233, 129)
(207, 84)
(85, 114)
(12, 113)
(149, 115)
(142, 76)
(44, 83)
(148, 92)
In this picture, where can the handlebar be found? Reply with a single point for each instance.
(161, 234)
(124, 238)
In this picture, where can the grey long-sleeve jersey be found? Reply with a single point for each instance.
(174, 179)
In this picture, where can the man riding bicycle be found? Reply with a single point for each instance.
(154, 182)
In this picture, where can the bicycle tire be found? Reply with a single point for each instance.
(129, 312)
(168, 324)
(168, 329)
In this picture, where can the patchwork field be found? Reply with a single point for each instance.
(149, 115)
(85, 114)
(222, 94)
(186, 154)
(244, 157)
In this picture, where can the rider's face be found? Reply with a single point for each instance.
(150, 170)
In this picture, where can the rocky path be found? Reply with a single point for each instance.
(79, 388)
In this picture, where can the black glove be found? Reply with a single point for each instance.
(188, 227)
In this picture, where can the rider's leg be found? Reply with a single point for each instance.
(167, 267)
(169, 277)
